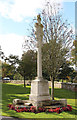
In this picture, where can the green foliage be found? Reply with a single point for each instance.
(14, 91)
(27, 65)
(53, 57)
(65, 71)
(13, 59)
(17, 76)
(74, 52)
(8, 70)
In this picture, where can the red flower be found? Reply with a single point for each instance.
(64, 108)
(50, 110)
(18, 111)
(13, 108)
(32, 109)
(54, 110)
(57, 108)
(25, 110)
(40, 109)
(59, 111)
(22, 110)
(70, 108)
(9, 105)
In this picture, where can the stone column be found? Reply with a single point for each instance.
(39, 37)
(39, 86)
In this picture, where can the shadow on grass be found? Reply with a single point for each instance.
(17, 89)
(10, 92)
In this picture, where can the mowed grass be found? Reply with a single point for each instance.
(14, 91)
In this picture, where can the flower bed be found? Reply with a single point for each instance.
(40, 109)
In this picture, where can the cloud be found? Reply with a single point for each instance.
(11, 44)
(17, 10)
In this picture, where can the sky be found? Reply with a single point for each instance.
(17, 15)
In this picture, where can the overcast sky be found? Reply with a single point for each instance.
(15, 17)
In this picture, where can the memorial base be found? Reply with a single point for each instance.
(39, 91)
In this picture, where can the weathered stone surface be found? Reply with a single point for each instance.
(28, 104)
(63, 102)
(22, 102)
(44, 103)
(52, 103)
(39, 91)
(26, 101)
(55, 106)
(17, 101)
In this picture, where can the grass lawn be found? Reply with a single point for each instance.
(12, 91)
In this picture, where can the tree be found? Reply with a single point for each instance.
(27, 65)
(9, 66)
(56, 40)
(53, 59)
(66, 71)
(13, 59)
(17, 76)
(8, 70)
(74, 58)
(74, 53)
(2, 56)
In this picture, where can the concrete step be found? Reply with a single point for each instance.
(54, 106)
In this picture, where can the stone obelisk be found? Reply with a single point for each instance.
(39, 86)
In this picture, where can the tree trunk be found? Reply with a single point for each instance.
(24, 82)
(52, 88)
(62, 80)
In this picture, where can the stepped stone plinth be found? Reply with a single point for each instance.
(42, 103)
